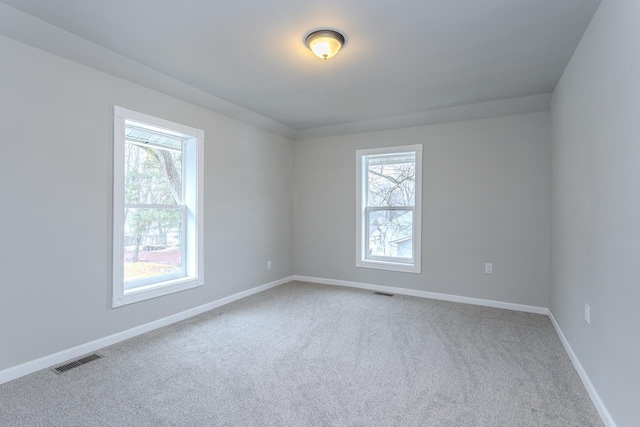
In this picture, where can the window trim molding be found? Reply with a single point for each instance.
(195, 270)
(414, 267)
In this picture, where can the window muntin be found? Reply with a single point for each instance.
(388, 220)
(157, 207)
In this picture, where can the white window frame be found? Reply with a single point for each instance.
(412, 265)
(193, 212)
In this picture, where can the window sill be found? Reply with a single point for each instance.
(160, 289)
(391, 266)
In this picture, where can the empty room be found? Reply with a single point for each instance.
(337, 213)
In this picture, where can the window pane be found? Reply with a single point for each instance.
(390, 233)
(391, 181)
(152, 243)
(153, 175)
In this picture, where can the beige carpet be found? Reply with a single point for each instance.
(304, 354)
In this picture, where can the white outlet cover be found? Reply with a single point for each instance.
(488, 268)
(268, 265)
(587, 313)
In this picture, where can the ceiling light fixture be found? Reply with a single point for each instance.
(325, 44)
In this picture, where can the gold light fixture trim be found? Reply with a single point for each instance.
(325, 44)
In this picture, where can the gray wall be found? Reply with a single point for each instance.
(596, 205)
(486, 198)
(55, 182)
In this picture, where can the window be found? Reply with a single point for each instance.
(389, 189)
(157, 207)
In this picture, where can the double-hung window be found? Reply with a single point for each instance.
(388, 208)
(157, 207)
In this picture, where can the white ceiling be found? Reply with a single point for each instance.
(401, 57)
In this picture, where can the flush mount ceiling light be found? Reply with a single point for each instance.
(325, 44)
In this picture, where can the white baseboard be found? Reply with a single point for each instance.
(595, 397)
(71, 353)
(426, 294)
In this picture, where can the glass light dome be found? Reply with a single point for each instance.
(325, 44)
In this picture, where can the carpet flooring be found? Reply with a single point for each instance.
(312, 355)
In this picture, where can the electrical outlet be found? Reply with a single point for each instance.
(488, 268)
(268, 265)
(587, 313)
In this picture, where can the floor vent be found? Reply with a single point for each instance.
(70, 365)
(383, 293)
